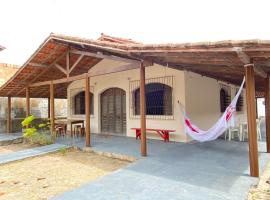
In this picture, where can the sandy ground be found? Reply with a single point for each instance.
(46, 176)
(15, 147)
(262, 190)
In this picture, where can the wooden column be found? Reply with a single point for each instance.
(52, 109)
(27, 101)
(9, 120)
(251, 119)
(267, 112)
(87, 112)
(49, 108)
(142, 110)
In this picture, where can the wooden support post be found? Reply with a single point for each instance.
(87, 111)
(52, 109)
(27, 101)
(142, 110)
(251, 116)
(49, 108)
(9, 120)
(67, 64)
(267, 112)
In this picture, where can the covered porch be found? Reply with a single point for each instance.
(61, 60)
(216, 170)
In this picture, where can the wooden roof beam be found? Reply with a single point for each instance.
(61, 68)
(44, 71)
(103, 56)
(90, 74)
(76, 63)
(246, 60)
(37, 65)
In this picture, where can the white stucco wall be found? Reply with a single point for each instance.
(121, 80)
(203, 100)
(199, 95)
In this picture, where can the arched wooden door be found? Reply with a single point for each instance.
(113, 111)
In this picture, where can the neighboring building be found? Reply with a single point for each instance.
(1, 48)
(7, 71)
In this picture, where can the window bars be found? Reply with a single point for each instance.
(159, 98)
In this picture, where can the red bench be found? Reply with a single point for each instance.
(163, 133)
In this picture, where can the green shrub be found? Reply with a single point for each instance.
(36, 133)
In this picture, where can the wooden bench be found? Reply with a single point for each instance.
(163, 133)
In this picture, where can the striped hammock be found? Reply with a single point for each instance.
(224, 122)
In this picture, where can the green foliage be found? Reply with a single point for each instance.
(30, 132)
(42, 139)
(63, 150)
(42, 125)
(28, 120)
(36, 133)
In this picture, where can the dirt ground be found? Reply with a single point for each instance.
(49, 175)
(262, 190)
(15, 147)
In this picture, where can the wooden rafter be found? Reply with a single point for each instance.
(90, 74)
(247, 60)
(101, 55)
(43, 72)
(76, 63)
(61, 68)
(68, 63)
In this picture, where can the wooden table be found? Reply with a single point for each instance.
(163, 133)
(71, 122)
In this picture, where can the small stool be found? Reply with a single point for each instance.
(59, 131)
(82, 131)
(77, 130)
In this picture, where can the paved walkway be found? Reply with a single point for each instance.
(19, 155)
(214, 170)
(7, 138)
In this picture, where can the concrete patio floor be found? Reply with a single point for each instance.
(211, 170)
(10, 138)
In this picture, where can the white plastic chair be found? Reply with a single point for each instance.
(231, 133)
(259, 122)
(244, 130)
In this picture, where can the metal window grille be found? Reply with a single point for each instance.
(159, 98)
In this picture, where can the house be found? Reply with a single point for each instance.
(120, 73)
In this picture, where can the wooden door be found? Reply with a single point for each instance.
(113, 111)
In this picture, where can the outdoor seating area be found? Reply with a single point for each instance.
(76, 128)
(163, 133)
(240, 132)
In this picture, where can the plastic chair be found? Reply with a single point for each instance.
(231, 133)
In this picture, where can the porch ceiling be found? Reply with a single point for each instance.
(220, 60)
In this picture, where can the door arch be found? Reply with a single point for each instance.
(113, 111)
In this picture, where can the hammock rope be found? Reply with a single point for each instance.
(223, 123)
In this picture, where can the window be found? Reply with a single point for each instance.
(225, 100)
(79, 103)
(158, 99)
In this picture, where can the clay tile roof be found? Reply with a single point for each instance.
(118, 40)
